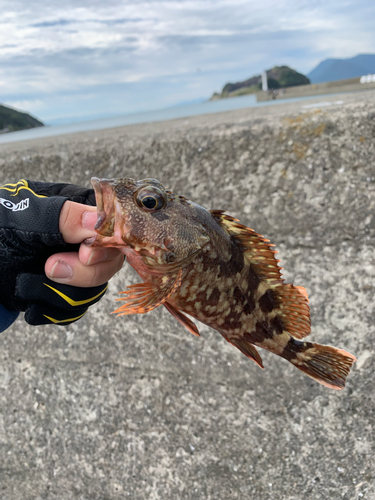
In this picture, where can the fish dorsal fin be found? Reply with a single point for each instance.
(257, 249)
(291, 301)
(248, 349)
(181, 318)
(144, 297)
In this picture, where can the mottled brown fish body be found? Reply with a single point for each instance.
(206, 264)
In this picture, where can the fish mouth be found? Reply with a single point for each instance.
(104, 196)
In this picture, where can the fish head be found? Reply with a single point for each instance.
(146, 218)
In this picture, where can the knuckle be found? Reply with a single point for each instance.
(96, 277)
(64, 215)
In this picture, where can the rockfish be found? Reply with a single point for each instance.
(206, 264)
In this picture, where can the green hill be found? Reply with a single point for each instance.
(277, 77)
(12, 120)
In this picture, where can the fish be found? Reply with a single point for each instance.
(204, 264)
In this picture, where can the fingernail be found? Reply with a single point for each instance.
(89, 241)
(61, 270)
(99, 255)
(89, 220)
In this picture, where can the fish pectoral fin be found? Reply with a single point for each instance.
(181, 318)
(248, 349)
(144, 297)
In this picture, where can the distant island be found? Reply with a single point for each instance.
(277, 77)
(12, 120)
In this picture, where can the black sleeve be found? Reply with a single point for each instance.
(29, 234)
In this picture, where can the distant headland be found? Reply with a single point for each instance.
(12, 120)
(277, 77)
(282, 77)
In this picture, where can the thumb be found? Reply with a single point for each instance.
(77, 222)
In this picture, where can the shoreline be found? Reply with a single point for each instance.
(270, 108)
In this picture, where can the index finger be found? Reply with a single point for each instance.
(77, 222)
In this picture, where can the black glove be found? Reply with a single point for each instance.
(29, 234)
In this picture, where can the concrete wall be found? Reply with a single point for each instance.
(136, 407)
(349, 85)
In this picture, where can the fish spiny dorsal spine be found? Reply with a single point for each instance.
(290, 302)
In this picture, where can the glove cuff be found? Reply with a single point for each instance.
(50, 302)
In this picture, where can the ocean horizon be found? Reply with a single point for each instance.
(175, 112)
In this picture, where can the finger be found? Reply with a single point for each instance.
(91, 255)
(77, 222)
(66, 268)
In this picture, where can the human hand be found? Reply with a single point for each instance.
(89, 266)
(42, 227)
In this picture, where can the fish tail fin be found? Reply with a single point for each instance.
(323, 363)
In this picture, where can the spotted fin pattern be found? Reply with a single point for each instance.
(325, 364)
(291, 301)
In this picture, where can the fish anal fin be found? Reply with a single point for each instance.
(184, 320)
(144, 297)
(294, 310)
(248, 349)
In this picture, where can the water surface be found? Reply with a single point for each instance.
(247, 101)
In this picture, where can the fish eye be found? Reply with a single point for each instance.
(150, 198)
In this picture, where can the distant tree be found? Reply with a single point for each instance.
(273, 84)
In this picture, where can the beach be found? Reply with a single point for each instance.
(135, 407)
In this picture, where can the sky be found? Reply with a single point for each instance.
(71, 60)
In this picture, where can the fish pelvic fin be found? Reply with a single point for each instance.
(181, 318)
(144, 297)
(325, 364)
(248, 349)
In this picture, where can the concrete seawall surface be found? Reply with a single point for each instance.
(135, 407)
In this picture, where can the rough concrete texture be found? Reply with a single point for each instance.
(136, 407)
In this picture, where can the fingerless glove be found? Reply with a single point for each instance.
(29, 234)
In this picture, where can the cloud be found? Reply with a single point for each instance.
(130, 54)
(48, 24)
(29, 106)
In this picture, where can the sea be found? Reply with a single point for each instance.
(208, 107)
